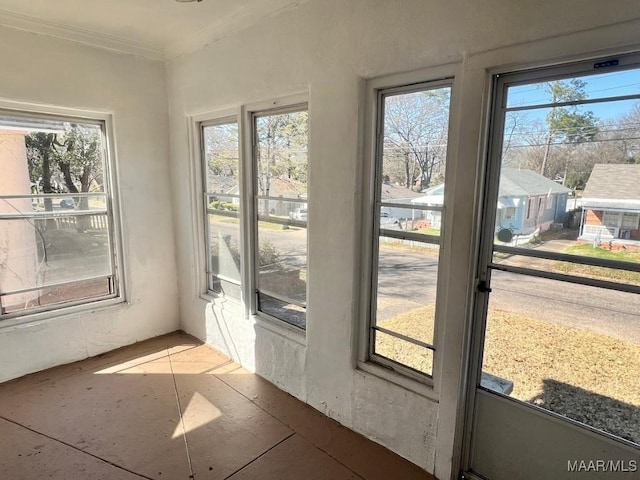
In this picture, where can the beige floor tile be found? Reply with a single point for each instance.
(198, 360)
(119, 359)
(225, 431)
(295, 459)
(130, 418)
(123, 408)
(367, 458)
(25, 455)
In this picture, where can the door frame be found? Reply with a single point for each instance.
(488, 182)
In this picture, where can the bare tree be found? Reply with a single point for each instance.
(415, 135)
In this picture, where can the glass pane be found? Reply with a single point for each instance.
(220, 143)
(51, 205)
(281, 200)
(224, 287)
(56, 295)
(222, 167)
(413, 356)
(47, 251)
(571, 349)
(603, 85)
(289, 312)
(406, 286)
(421, 221)
(412, 173)
(569, 180)
(224, 205)
(578, 269)
(414, 147)
(224, 247)
(283, 208)
(282, 154)
(54, 227)
(282, 259)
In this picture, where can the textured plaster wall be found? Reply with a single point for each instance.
(43, 71)
(327, 48)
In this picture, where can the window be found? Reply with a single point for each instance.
(611, 219)
(280, 195)
(529, 208)
(411, 152)
(630, 221)
(509, 213)
(220, 154)
(57, 242)
(256, 208)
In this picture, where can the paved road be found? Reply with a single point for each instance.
(407, 280)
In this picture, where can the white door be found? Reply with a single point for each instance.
(555, 392)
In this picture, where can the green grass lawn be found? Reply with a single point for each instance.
(588, 250)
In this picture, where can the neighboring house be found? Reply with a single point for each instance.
(611, 203)
(527, 202)
(292, 192)
(432, 197)
(393, 193)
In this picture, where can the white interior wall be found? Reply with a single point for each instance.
(327, 48)
(38, 70)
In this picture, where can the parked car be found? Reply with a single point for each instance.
(299, 214)
(67, 203)
(389, 221)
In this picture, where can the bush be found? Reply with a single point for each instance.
(268, 254)
(220, 205)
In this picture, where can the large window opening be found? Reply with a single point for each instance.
(280, 192)
(410, 168)
(563, 322)
(222, 197)
(57, 242)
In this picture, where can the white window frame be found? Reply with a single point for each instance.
(119, 277)
(611, 219)
(423, 384)
(292, 104)
(635, 216)
(248, 227)
(200, 126)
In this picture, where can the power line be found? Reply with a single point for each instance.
(575, 143)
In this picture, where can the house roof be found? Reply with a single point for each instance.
(516, 182)
(278, 187)
(613, 182)
(391, 191)
(613, 187)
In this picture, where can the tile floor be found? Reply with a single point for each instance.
(171, 408)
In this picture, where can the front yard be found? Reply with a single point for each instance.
(584, 375)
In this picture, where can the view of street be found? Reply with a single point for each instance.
(407, 280)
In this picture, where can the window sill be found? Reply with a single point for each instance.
(33, 319)
(281, 328)
(216, 299)
(423, 388)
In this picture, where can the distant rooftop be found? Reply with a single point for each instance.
(614, 181)
(391, 191)
(516, 182)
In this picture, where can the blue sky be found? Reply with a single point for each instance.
(605, 85)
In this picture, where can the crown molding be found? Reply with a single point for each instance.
(79, 35)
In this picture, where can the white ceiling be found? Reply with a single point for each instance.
(158, 29)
